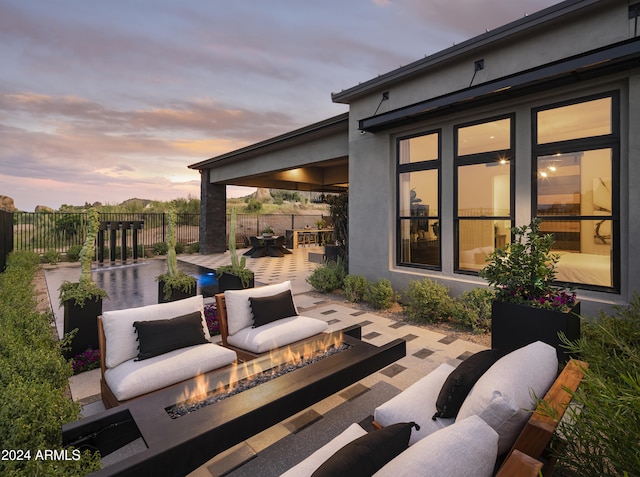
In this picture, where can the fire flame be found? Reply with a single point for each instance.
(292, 354)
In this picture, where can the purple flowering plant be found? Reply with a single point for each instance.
(211, 317)
(86, 361)
(524, 271)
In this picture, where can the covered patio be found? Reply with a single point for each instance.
(314, 158)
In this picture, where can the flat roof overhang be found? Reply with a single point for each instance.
(326, 176)
(603, 61)
(312, 158)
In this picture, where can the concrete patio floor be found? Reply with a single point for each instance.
(426, 349)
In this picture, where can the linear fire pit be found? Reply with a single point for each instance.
(178, 446)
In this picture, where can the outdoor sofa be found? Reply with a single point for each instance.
(151, 347)
(255, 321)
(489, 403)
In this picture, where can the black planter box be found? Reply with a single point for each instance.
(176, 294)
(514, 326)
(86, 320)
(228, 281)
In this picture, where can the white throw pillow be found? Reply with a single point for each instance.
(120, 335)
(515, 378)
(239, 314)
(417, 404)
(468, 447)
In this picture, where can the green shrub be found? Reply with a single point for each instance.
(380, 294)
(427, 301)
(180, 247)
(355, 287)
(328, 277)
(73, 253)
(602, 432)
(160, 248)
(473, 309)
(34, 378)
(51, 256)
(193, 247)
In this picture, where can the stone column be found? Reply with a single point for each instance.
(213, 215)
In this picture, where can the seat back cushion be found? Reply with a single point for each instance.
(239, 315)
(417, 403)
(468, 447)
(120, 336)
(510, 387)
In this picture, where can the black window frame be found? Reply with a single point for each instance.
(609, 141)
(427, 165)
(482, 158)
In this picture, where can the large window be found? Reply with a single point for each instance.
(419, 200)
(575, 190)
(484, 193)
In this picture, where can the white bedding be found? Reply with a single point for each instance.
(584, 268)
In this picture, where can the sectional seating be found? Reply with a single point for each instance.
(257, 320)
(151, 347)
(458, 421)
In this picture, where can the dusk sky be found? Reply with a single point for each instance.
(110, 100)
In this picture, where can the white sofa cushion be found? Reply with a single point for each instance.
(468, 447)
(315, 460)
(276, 334)
(515, 379)
(122, 344)
(239, 314)
(417, 403)
(134, 378)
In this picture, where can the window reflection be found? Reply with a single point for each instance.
(485, 137)
(575, 121)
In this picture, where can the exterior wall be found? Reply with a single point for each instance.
(372, 160)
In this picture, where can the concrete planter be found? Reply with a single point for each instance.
(229, 281)
(85, 319)
(514, 326)
(176, 294)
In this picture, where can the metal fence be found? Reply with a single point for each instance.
(59, 231)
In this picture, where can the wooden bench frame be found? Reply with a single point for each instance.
(530, 453)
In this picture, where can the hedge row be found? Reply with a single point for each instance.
(33, 382)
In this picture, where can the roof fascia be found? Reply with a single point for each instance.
(481, 41)
(319, 129)
(617, 57)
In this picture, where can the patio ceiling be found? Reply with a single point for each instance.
(327, 176)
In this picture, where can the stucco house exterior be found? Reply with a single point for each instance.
(537, 118)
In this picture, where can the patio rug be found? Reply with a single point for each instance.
(290, 450)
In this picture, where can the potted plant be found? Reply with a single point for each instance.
(266, 232)
(528, 307)
(82, 300)
(235, 276)
(174, 285)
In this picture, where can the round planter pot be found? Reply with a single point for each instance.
(85, 319)
(514, 326)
